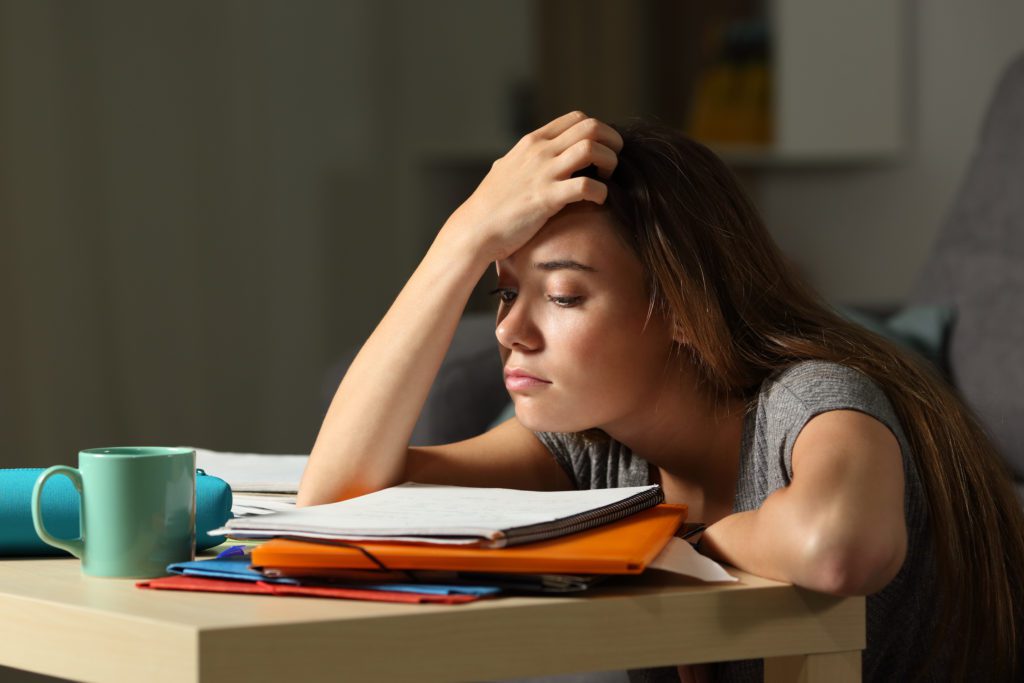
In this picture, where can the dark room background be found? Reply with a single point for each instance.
(205, 204)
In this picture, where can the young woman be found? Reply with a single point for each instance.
(652, 332)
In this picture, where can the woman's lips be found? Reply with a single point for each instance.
(518, 381)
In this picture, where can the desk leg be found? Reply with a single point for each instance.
(833, 667)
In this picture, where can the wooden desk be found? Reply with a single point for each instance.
(56, 621)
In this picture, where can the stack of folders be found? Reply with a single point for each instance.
(429, 543)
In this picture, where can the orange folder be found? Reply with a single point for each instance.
(622, 547)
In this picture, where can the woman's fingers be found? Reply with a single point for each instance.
(580, 189)
(583, 154)
(532, 182)
(589, 129)
(552, 130)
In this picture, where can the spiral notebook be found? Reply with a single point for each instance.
(452, 515)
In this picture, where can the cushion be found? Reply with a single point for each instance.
(923, 329)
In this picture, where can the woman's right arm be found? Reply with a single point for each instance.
(363, 442)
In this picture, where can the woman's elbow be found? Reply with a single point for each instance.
(308, 496)
(314, 491)
(854, 568)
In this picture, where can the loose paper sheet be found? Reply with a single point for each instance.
(254, 504)
(679, 557)
(254, 472)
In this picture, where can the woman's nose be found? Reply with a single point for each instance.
(515, 329)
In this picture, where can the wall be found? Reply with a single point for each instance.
(203, 205)
(861, 234)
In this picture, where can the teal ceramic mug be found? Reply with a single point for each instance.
(138, 510)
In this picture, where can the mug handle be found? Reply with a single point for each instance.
(72, 545)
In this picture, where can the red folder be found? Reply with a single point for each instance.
(198, 583)
(622, 547)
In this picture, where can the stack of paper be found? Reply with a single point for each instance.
(243, 505)
(254, 472)
(260, 484)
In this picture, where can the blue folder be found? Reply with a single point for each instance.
(237, 568)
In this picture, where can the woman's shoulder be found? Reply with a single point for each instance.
(819, 383)
(792, 396)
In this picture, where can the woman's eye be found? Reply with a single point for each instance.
(565, 301)
(507, 296)
(504, 294)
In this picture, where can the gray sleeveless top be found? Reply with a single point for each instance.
(898, 617)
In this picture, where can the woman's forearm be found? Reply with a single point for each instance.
(743, 541)
(363, 441)
(772, 541)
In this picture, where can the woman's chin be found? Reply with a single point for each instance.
(541, 423)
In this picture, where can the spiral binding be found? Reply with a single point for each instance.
(585, 520)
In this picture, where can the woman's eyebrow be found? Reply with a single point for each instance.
(563, 264)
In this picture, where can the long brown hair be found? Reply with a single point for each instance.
(712, 266)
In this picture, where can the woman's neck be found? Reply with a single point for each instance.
(690, 436)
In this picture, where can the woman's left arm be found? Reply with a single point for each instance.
(839, 526)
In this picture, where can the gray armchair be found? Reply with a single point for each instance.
(977, 267)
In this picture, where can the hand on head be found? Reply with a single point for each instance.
(534, 181)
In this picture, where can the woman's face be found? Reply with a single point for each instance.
(580, 328)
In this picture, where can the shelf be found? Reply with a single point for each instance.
(829, 76)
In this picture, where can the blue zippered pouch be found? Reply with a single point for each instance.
(60, 507)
